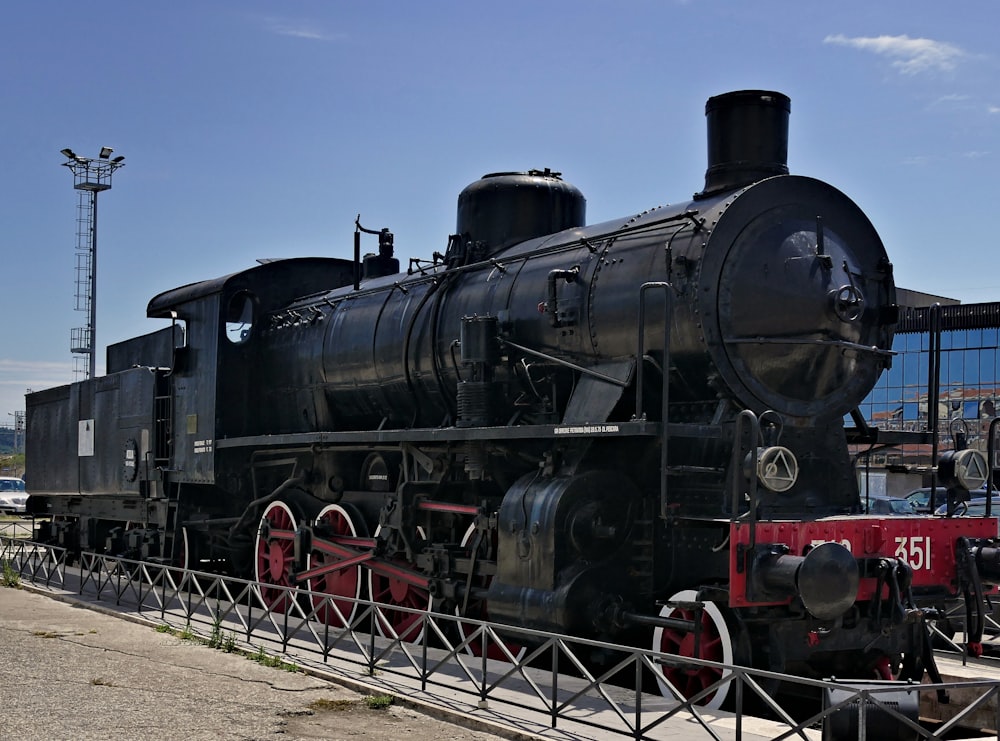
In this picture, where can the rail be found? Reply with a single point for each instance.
(477, 667)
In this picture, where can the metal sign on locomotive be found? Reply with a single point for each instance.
(631, 430)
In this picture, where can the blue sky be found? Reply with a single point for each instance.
(255, 129)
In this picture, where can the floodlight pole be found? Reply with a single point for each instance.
(90, 177)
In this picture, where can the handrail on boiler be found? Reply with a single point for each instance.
(640, 365)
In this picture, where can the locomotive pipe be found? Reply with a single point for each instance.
(251, 509)
(552, 305)
(357, 253)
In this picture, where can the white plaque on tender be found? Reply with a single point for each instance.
(85, 441)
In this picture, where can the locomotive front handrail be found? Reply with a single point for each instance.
(991, 457)
(934, 391)
(741, 421)
(640, 353)
(809, 341)
(640, 350)
(572, 366)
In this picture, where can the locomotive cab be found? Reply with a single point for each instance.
(218, 373)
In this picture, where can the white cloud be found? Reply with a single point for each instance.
(910, 56)
(19, 375)
(993, 109)
(949, 99)
(921, 160)
(299, 30)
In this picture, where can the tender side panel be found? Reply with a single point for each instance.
(51, 419)
(124, 424)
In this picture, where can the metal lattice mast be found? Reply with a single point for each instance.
(90, 177)
(18, 432)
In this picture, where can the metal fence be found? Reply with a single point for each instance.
(478, 668)
(16, 528)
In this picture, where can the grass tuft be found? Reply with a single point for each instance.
(275, 662)
(378, 702)
(9, 577)
(332, 705)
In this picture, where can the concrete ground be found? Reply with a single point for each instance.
(69, 672)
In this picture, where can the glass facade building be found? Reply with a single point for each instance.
(963, 342)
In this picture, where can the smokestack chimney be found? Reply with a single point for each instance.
(747, 138)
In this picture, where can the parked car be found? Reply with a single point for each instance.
(879, 504)
(921, 498)
(13, 497)
(973, 508)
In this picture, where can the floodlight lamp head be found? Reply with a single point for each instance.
(118, 160)
(105, 152)
(68, 153)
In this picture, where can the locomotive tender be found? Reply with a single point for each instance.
(596, 430)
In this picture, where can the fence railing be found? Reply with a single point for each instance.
(480, 668)
(19, 528)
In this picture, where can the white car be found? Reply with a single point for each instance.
(13, 497)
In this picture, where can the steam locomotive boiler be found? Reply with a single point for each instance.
(608, 430)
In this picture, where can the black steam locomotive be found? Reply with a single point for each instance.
(598, 430)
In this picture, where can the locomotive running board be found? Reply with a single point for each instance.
(451, 434)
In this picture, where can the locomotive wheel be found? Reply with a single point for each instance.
(715, 643)
(340, 520)
(477, 611)
(184, 557)
(907, 667)
(182, 560)
(275, 554)
(407, 626)
(910, 667)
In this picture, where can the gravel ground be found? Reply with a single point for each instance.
(68, 672)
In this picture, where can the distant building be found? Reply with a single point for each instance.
(918, 300)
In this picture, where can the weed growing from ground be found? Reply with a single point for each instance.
(324, 704)
(9, 577)
(378, 702)
(275, 662)
(215, 640)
